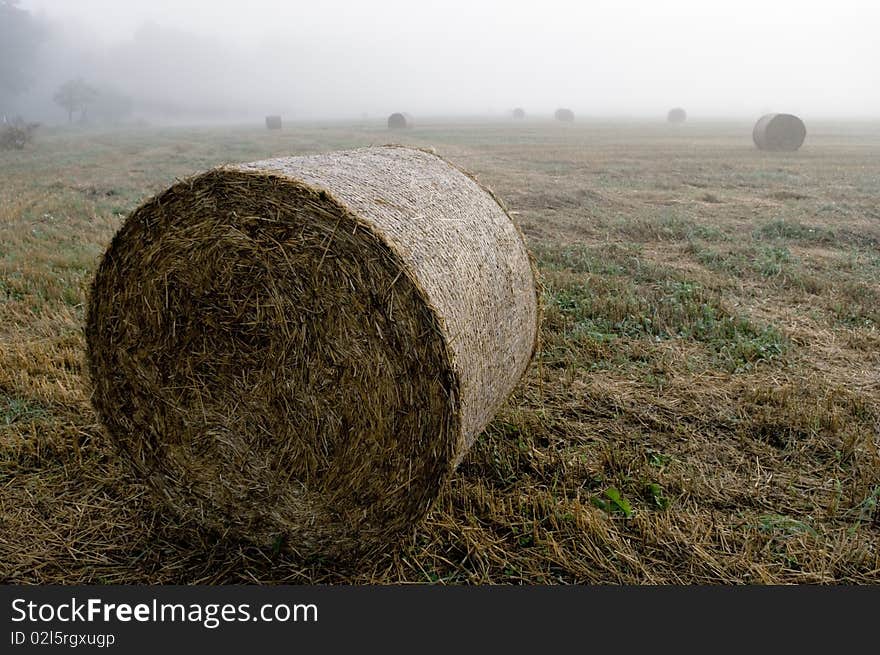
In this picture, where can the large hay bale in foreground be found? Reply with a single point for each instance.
(564, 115)
(519, 113)
(676, 115)
(400, 120)
(781, 132)
(273, 122)
(303, 349)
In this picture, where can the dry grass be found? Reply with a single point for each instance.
(705, 408)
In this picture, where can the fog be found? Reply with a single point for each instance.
(231, 61)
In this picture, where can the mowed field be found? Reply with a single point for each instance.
(705, 406)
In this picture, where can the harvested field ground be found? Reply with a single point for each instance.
(705, 407)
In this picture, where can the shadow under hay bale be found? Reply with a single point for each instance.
(779, 132)
(273, 122)
(400, 120)
(301, 350)
(564, 115)
(519, 113)
(676, 115)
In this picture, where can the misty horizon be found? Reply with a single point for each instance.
(219, 62)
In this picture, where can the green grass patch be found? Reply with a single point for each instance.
(603, 309)
(784, 525)
(14, 409)
(794, 231)
(668, 226)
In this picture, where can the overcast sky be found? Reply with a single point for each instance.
(337, 59)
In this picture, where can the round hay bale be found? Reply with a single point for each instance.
(301, 350)
(273, 122)
(519, 113)
(780, 132)
(676, 115)
(399, 121)
(564, 115)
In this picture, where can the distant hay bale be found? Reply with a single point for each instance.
(676, 115)
(301, 350)
(400, 120)
(564, 115)
(780, 132)
(273, 122)
(519, 113)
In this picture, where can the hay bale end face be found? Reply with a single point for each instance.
(303, 349)
(779, 132)
(273, 122)
(519, 113)
(400, 121)
(564, 115)
(676, 115)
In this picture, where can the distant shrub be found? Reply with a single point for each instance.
(17, 134)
